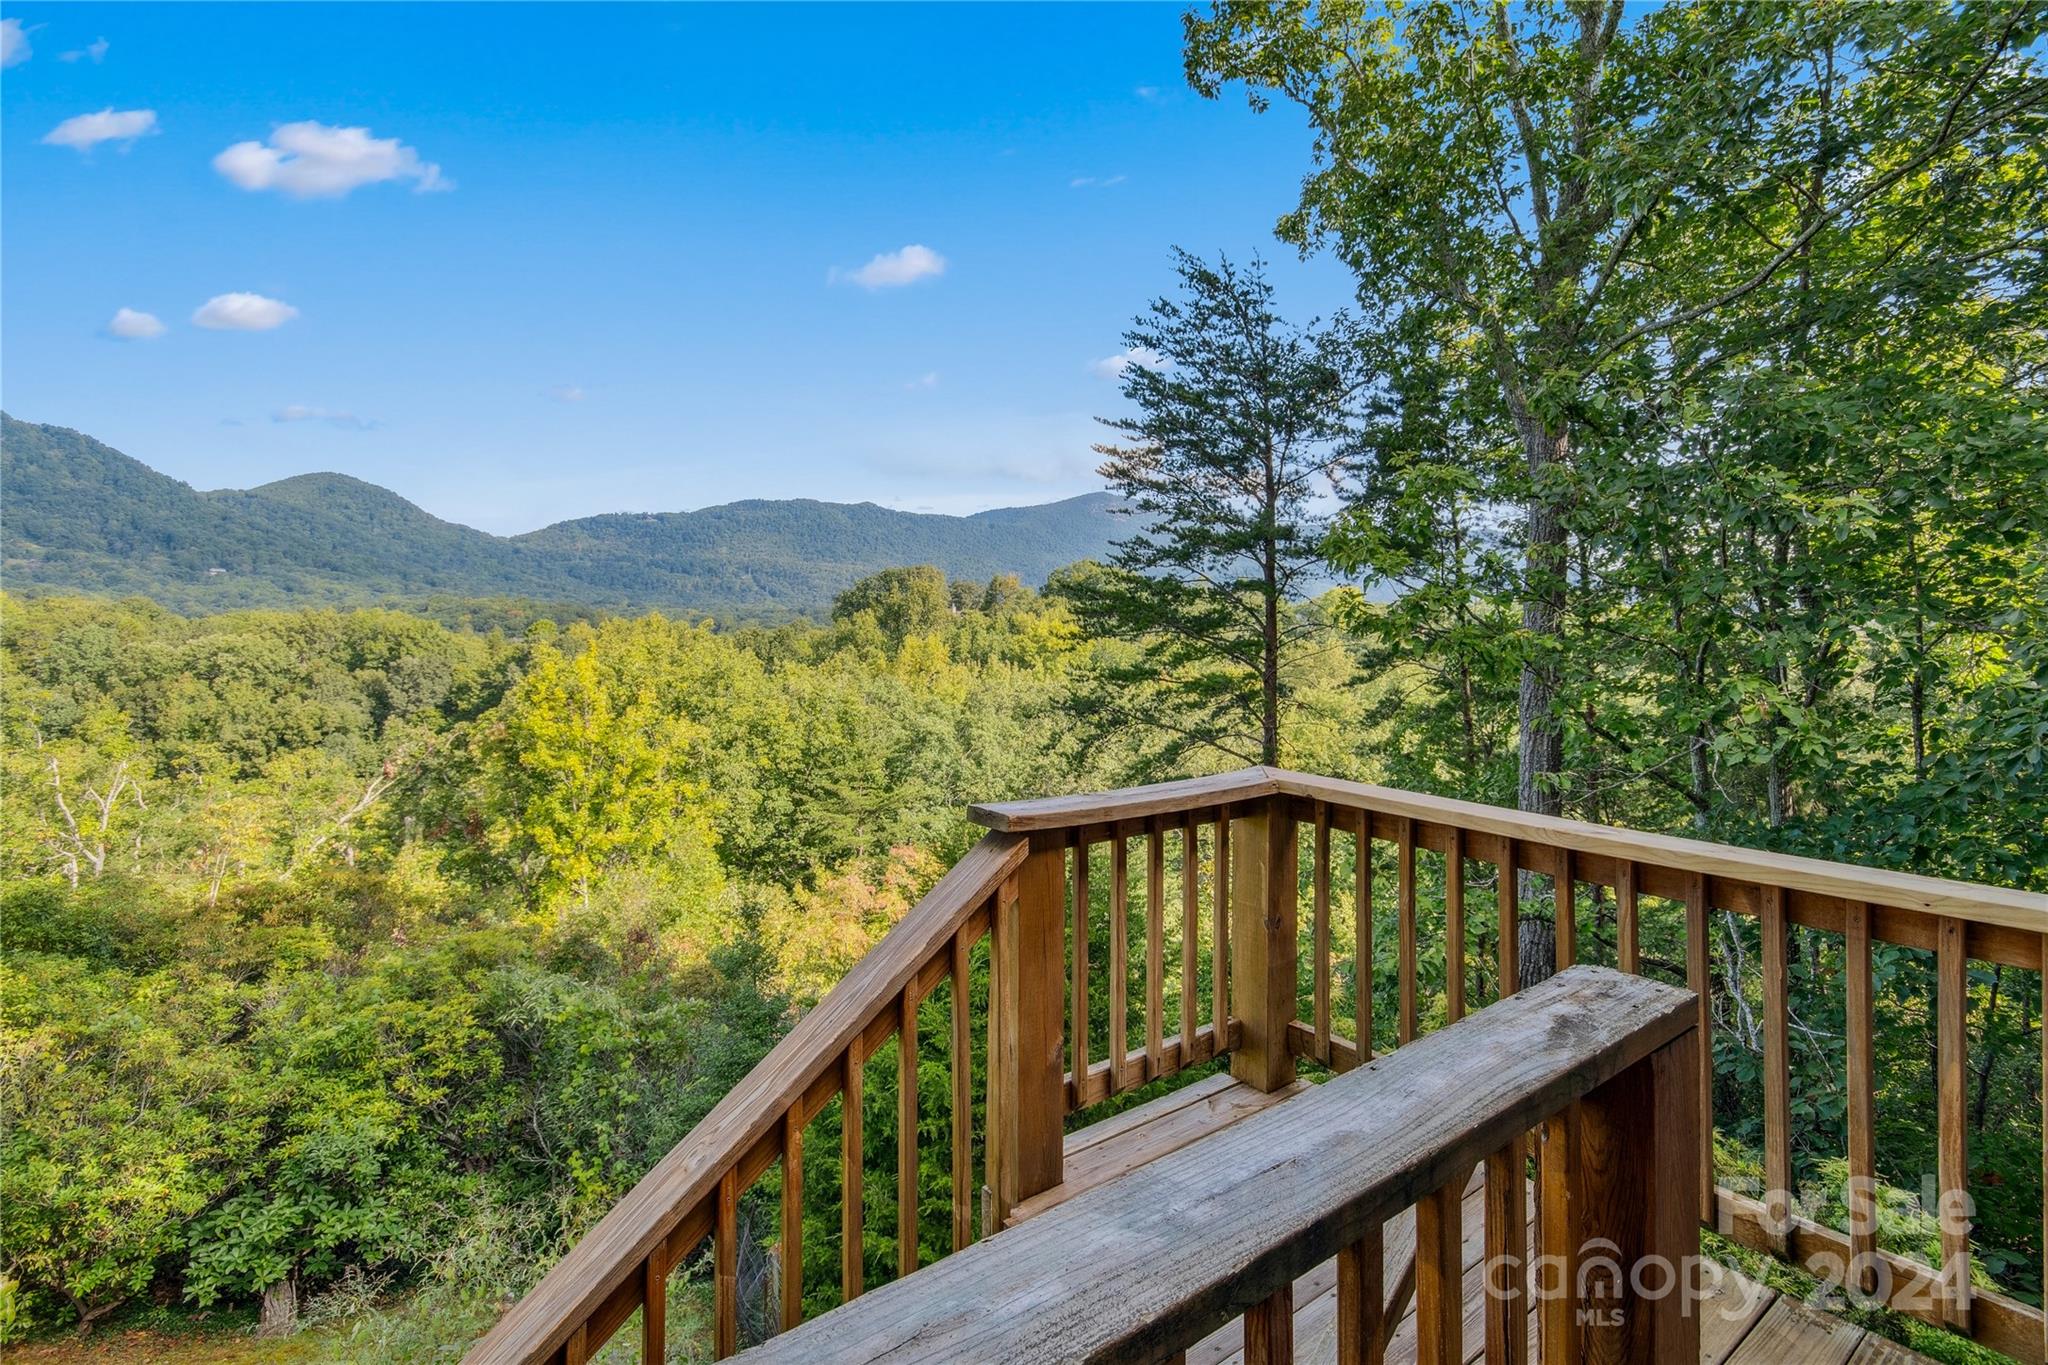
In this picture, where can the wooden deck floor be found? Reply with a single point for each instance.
(1742, 1323)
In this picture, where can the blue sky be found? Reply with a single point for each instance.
(599, 258)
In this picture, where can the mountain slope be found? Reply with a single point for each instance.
(79, 514)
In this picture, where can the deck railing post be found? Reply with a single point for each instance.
(1623, 1232)
(1030, 937)
(1264, 896)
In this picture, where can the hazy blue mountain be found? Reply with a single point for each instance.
(78, 514)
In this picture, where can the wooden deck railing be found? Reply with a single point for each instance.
(1144, 1267)
(1270, 810)
(1205, 879)
(624, 1263)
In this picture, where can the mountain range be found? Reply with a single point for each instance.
(80, 515)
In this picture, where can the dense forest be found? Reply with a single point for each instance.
(1691, 414)
(83, 517)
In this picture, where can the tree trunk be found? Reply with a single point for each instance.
(1543, 599)
(280, 1308)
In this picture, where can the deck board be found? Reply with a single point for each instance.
(1741, 1322)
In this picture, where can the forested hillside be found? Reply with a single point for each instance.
(80, 515)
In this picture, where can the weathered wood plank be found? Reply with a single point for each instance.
(1150, 1262)
(1156, 1133)
(1790, 1333)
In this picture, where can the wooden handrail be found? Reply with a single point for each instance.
(596, 1286)
(2025, 911)
(1142, 1267)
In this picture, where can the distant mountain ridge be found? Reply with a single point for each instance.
(78, 514)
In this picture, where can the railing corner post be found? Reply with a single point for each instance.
(1264, 893)
(1030, 937)
(1627, 1229)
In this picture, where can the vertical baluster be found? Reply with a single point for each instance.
(1777, 1074)
(1321, 881)
(963, 1100)
(1155, 951)
(1440, 1277)
(725, 1254)
(1361, 961)
(1507, 1255)
(1080, 983)
(1858, 1023)
(850, 1190)
(1119, 958)
(1219, 935)
(1454, 927)
(1190, 942)
(1510, 898)
(1567, 914)
(1952, 1001)
(1269, 1329)
(792, 1249)
(994, 1097)
(1362, 1300)
(654, 1307)
(1405, 910)
(906, 1135)
(1557, 1223)
(1699, 976)
(1627, 928)
(576, 1350)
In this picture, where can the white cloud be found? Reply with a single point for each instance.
(310, 160)
(243, 313)
(892, 269)
(567, 393)
(130, 325)
(1101, 182)
(1150, 93)
(1110, 367)
(299, 412)
(87, 131)
(96, 50)
(928, 380)
(14, 45)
